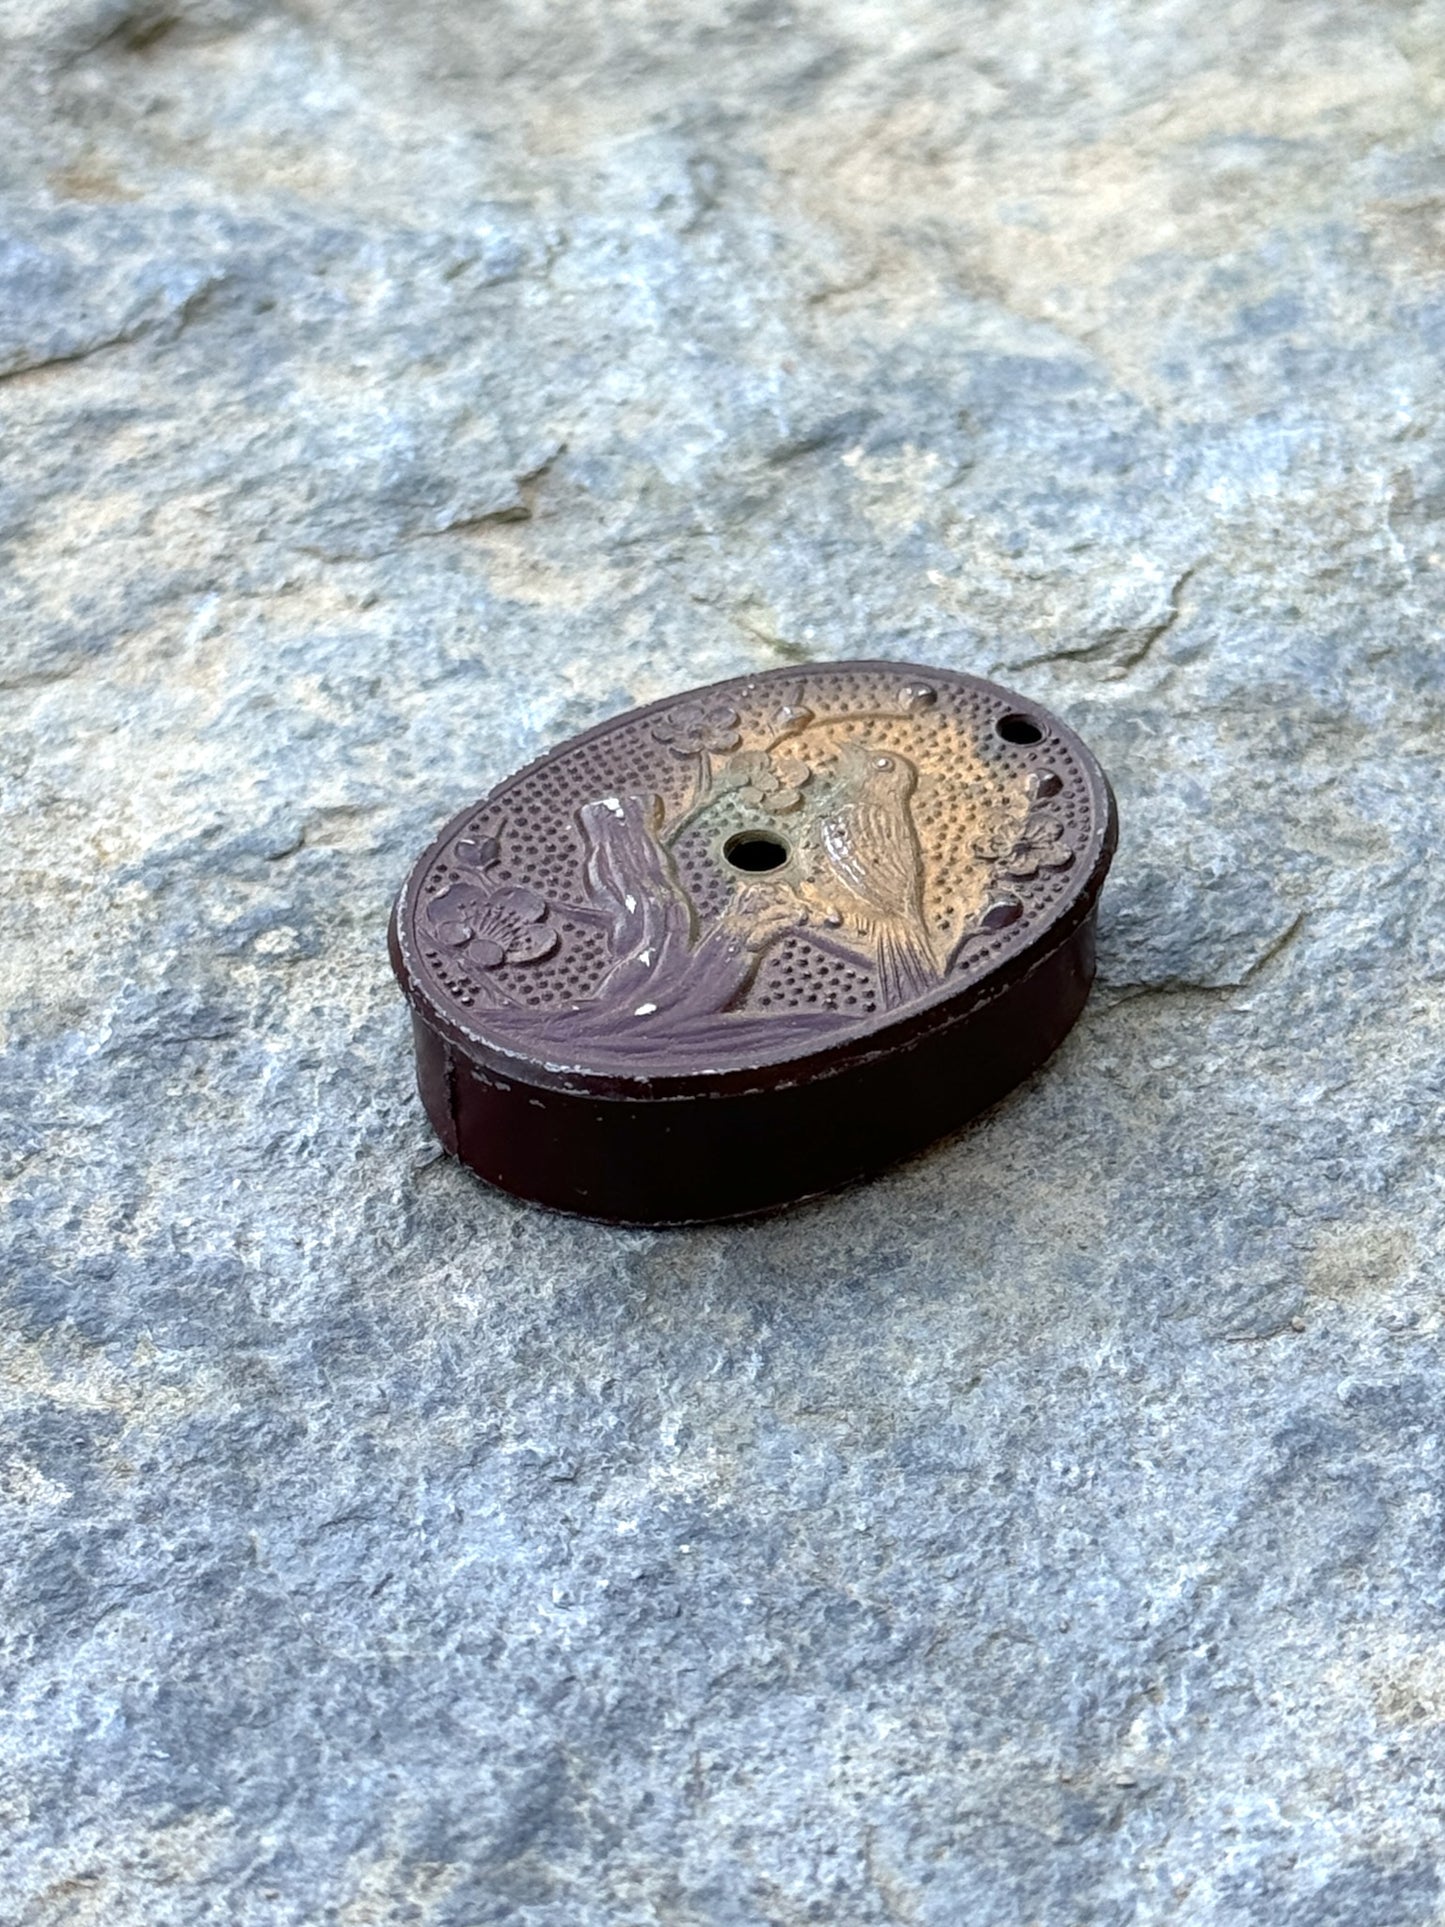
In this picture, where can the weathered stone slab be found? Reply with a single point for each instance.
(1049, 1533)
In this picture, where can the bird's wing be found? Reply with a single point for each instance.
(896, 863)
(838, 835)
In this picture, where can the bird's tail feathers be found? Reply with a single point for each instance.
(906, 967)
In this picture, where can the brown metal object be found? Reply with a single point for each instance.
(749, 943)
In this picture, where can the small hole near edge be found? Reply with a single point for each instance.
(1015, 728)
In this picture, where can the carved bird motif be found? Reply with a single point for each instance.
(859, 853)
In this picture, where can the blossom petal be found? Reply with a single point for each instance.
(1022, 860)
(1001, 913)
(476, 853)
(516, 900)
(487, 952)
(457, 905)
(749, 765)
(531, 943)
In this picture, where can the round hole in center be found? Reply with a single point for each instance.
(755, 851)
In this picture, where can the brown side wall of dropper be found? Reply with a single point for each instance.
(746, 1114)
(689, 1160)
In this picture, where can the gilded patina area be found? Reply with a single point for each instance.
(757, 867)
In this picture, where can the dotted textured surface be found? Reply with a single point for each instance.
(1001, 835)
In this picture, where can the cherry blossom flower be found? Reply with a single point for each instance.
(1039, 845)
(773, 784)
(505, 926)
(693, 728)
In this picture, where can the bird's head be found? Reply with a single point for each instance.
(882, 772)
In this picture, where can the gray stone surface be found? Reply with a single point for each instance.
(1049, 1535)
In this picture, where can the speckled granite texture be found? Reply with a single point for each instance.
(1049, 1535)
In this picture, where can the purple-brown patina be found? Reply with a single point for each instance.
(748, 943)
